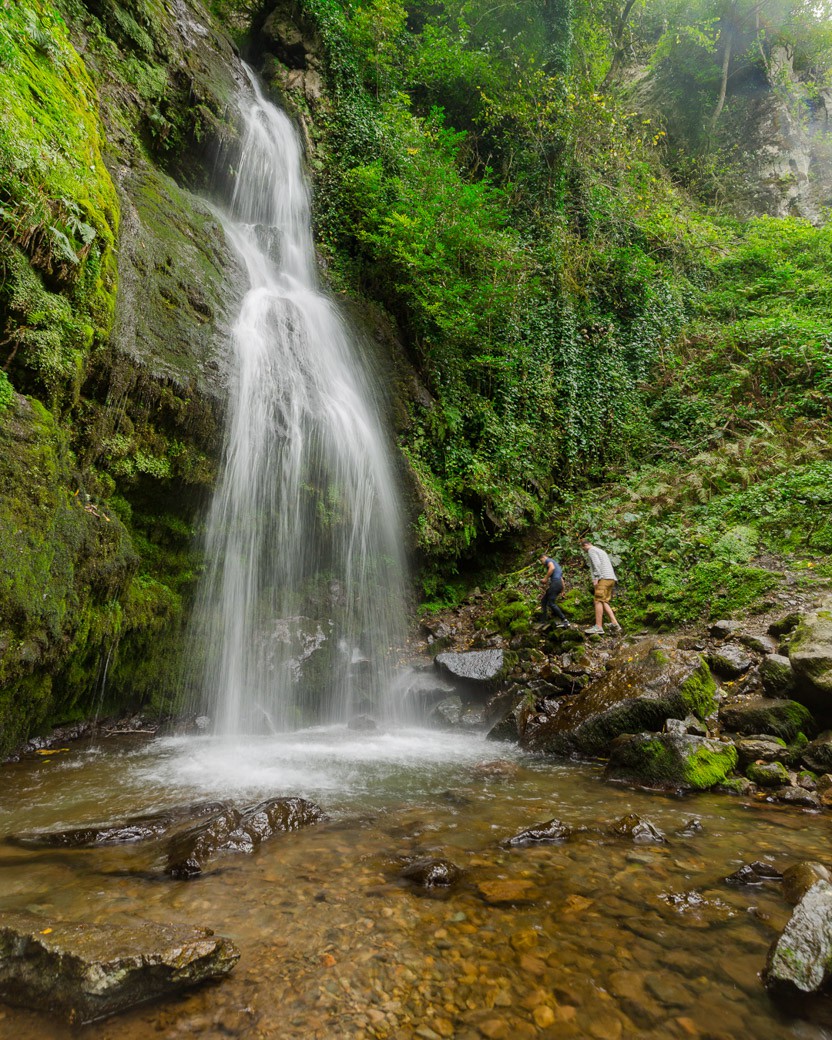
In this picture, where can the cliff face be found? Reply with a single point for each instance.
(117, 294)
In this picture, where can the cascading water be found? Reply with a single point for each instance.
(302, 597)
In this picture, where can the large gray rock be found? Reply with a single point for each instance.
(480, 668)
(84, 971)
(817, 756)
(810, 652)
(678, 761)
(643, 686)
(801, 959)
(778, 718)
(730, 661)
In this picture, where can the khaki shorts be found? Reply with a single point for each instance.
(603, 590)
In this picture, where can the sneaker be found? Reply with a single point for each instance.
(562, 624)
(595, 630)
(615, 629)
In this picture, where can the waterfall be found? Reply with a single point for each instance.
(302, 595)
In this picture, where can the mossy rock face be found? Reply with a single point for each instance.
(65, 565)
(778, 718)
(642, 687)
(670, 760)
(818, 755)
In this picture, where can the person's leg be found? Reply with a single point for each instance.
(599, 614)
(611, 613)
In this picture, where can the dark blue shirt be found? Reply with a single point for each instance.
(557, 573)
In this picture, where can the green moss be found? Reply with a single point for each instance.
(768, 774)
(669, 761)
(698, 691)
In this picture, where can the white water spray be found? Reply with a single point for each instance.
(302, 598)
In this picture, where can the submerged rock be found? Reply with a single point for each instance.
(129, 831)
(550, 833)
(754, 874)
(84, 972)
(642, 688)
(801, 959)
(232, 831)
(432, 873)
(672, 760)
(779, 718)
(641, 831)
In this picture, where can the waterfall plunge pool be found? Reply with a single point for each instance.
(615, 939)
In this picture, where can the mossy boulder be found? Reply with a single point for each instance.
(778, 718)
(768, 774)
(777, 675)
(643, 686)
(810, 653)
(818, 755)
(800, 961)
(670, 760)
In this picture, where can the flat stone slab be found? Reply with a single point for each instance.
(82, 972)
(472, 666)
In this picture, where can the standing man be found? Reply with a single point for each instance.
(603, 582)
(552, 588)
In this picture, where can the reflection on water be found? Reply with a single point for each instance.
(618, 940)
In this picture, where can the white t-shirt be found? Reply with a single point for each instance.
(600, 564)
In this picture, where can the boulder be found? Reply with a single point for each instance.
(643, 686)
(730, 661)
(800, 961)
(190, 852)
(794, 795)
(810, 652)
(760, 644)
(679, 761)
(480, 669)
(84, 972)
(768, 774)
(723, 629)
(779, 718)
(447, 712)
(760, 748)
(799, 878)
(776, 675)
(817, 756)
(550, 833)
(784, 626)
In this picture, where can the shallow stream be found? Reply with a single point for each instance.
(614, 939)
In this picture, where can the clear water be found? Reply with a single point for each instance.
(303, 593)
(615, 939)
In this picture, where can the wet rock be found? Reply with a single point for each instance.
(552, 832)
(799, 878)
(754, 874)
(759, 644)
(84, 972)
(679, 761)
(190, 852)
(730, 661)
(776, 675)
(638, 830)
(724, 629)
(643, 686)
(779, 718)
(817, 756)
(481, 668)
(801, 959)
(362, 724)
(810, 652)
(768, 774)
(693, 826)
(447, 713)
(432, 873)
(501, 769)
(793, 795)
(129, 831)
(760, 748)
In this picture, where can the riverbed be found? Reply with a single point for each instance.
(611, 939)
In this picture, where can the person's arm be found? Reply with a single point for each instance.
(549, 568)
